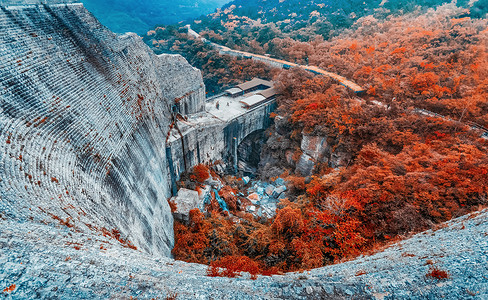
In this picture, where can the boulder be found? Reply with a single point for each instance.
(305, 165)
(204, 194)
(339, 158)
(289, 157)
(269, 210)
(314, 146)
(214, 183)
(259, 212)
(185, 201)
(269, 190)
(278, 190)
(254, 198)
(279, 181)
(246, 179)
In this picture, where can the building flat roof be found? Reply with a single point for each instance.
(254, 83)
(268, 93)
(253, 100)
(234, 90)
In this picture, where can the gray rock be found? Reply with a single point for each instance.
(314, 146)
(259, 212)
(254, 198)
(112, 174)
(251, 208)
(214, 183)
(204, 195)
(277, 191)
(89, 122)
(309, 290)
(269, 190)
(185, 201)
(305, 165)
(245, 179)
(338, 159)
(279, 181)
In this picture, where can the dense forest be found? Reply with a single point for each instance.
(411, 149)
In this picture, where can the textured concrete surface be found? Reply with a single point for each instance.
(54, 262)
(83, 118)
(209, 135)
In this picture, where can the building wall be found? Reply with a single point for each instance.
(214, 142)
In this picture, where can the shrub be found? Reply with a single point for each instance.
(10, 288)
(200, 173)
(232, 266)
(435, 272)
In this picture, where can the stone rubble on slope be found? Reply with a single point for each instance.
(265, 197)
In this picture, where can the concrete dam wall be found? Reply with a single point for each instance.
(84, 114)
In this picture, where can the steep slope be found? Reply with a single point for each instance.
(42, 261)
(83, 118)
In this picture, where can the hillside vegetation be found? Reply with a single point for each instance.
(400, 171)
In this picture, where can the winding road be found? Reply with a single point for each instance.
(357, 89)
(278, 62)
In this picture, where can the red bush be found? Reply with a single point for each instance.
(435, 272)
(232, 266)
(172, 206)
(10, 288)
(200, 173)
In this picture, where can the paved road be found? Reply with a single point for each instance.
(278, 62)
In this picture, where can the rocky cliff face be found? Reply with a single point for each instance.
(83, 119)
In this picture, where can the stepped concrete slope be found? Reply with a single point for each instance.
(84, 114)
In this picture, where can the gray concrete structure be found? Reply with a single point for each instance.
(83, 118)
(214, 134)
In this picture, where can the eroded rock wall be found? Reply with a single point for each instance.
(43, 264)
(83, 119)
